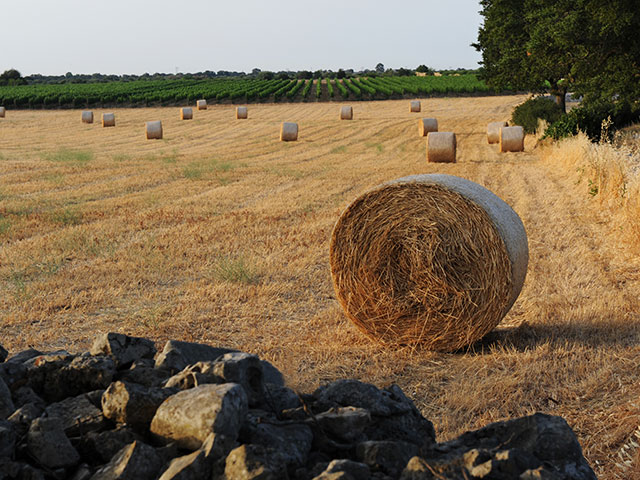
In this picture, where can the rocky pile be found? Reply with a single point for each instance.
(194, 411)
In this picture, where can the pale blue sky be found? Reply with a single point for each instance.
(138, 36)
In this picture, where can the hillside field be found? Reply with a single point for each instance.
(219, 233)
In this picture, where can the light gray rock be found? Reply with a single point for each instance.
(8, 439)
(6, 402)
(133, 404)
(346, 423)
(254, 462)
(190, 416)
(137, 461)
(191, 377)
(384, 456)
(47, 443)
(353, 393)
(123, 349)
(334, 476)
(177, 355)
(78, 415)
(244, 369)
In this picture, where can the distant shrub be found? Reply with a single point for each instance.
(527, 114)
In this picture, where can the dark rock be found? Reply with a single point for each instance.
(540, 473)
(357, 470)
(190, 416)
(133, 404)
(346, 423)
(123, 349)
(137, 461)
(8, 439)
(24, 395)
(141, 374)
(277, 398)
(47, 443)
(95, 397)
(25, 355)
(388, 457)
(78, 415)
(340, 475)
(6, 402)
(100, 447)
(197, 465)
(13, 374)
(83, 472)
(292, 442)
(3, 354)
(191, 377)
(241, 368)
(177, 355)
(254, 462)
(22, 417)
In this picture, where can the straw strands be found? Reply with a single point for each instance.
(415, 106)
(493, 131)
(426, 125)
(431, 261)
(186, 113)
(154, 130)
(242, 113)
(512, 139)
(87, 116)
(289, 132)
(441, 147)
(108, 119)
(346, 112)
(2, 112)
(201, 104)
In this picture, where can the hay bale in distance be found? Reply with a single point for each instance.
(186, 113)
(493, 131)
(415, 106)
(201, 104)
(242, 112)
(431, 261)
(154, 130)
(441, 147)
(2, 112)
(426, 125)
(289, 132)
(512, 139)
(87, 116)
(108, 119)
(346, 112)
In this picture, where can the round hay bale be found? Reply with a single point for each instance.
(87, 116)
(154, 130)
(441, 147)
(431, 261)
(108, 119)
(2, 112)
(427, 125)
(201, 104)
(493, 131)
(346, 112)
(242, 113)
(415, 106)
(512, 139)
(186, 113)
(289, 132)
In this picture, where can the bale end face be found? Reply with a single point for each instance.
(154, 130)
(493, 131)
(186, 113)
(242, 113)
(423, 261)
(441, 147)
(201, 104)
(2, 112)
(289, 132)
(87, 117)
(415, 106)
(427, 125)
(108, 120)
(511, 139)
(346, 113)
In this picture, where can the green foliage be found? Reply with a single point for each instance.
(64, 155)
(330, 88)
(527, 114)
(67, 216)
(318, 88)
(235, 270)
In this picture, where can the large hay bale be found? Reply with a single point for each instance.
(87, 116)
(512, 139)
(154, 130)
(2, 112)
(108, 119)
(427, 125)
(242, 112)
(432, 261)
(415, 106)
(186, 113)
(346, 112)
(493, 131)
(289, 132)
(201, 104)
(441, 147)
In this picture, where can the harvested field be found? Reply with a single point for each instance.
(220, 233)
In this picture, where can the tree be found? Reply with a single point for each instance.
(424, 69)
(587, 46)
(341, 74)
(304, 74)
(12, 77)
(380, 68)
(404, 72)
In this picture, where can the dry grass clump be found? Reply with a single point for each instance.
(87, 116)
(419, 264)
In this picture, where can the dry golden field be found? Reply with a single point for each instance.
(219, 233)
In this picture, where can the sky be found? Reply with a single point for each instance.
(168, 36)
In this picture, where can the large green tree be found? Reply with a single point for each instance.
(588, 46)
